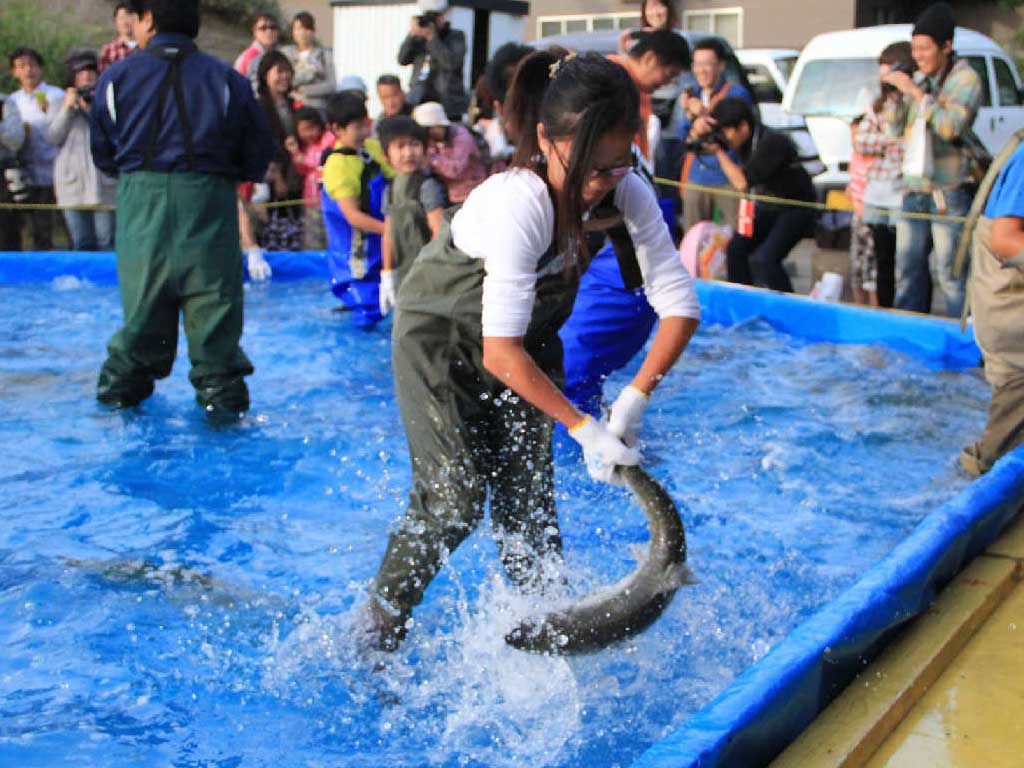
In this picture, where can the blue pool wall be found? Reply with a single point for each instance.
(770, 703)
(938, 342)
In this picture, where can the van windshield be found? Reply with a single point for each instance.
(832, 86)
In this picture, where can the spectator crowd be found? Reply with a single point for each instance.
(923, 88)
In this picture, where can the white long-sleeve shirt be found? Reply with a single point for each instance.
(509, 222)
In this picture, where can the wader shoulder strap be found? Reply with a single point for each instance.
(622, 244)
(172, 79)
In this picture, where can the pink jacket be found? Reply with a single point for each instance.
(307, 163)
(459, 164)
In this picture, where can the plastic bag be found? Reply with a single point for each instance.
(703, 250)
(917, 160)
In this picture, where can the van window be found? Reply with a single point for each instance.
(979, 66)
(1009, 96)
(765, 90)
(785, 65)
(831, 87)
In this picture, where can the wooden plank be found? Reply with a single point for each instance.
(853, 727)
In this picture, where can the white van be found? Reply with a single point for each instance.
(835, 67)
(768, 71)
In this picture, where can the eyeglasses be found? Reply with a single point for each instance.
(265, 27)
(613, 173)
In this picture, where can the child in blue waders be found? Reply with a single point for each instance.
(180, 129)
(354, 177)
(475, 349)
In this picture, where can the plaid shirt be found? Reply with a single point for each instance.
(113, 51)
(949, 115)
(873, 138)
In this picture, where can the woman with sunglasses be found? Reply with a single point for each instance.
(476, 354)
(265, 31)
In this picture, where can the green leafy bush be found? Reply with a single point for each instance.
(28, 23)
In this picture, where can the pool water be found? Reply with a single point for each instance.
(796, 467)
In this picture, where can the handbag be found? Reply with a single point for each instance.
(918, 159)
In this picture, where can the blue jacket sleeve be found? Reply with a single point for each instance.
(257, 141)
(102, 127)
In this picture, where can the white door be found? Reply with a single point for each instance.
(984, 123)
(1010, 112)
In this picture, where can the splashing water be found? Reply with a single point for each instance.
(782, 455)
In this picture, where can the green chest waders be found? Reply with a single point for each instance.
(410, 231)
(177, 249)
(468, 434)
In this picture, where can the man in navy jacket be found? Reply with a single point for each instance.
(180, 129)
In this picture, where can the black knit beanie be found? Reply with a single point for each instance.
(936, 22)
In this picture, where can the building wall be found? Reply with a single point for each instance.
(322, 13)
(782, 23)
(575, 8)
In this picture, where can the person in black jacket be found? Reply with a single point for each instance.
(180, 129)
(769, 165)
(437, 54)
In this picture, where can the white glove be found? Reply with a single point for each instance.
(388, 291)
(602, 451)
(626, 414)
(259, 270)
(260, 193)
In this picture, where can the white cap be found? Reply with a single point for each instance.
(437, 6)
(430, 114)
(351, 83)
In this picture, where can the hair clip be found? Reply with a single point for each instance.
(553, 69)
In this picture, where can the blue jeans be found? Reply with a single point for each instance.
(91, 230)
(915, 272)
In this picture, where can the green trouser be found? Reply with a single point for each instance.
(468, 434)
(177, 249)
(410, 231)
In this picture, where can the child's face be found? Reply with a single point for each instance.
(309, 132)
(354, 134)
(405, 154)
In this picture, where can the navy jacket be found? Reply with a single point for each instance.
(229, 132)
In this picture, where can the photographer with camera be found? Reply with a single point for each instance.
(709, 59)
(437, 54)
(934, 114)
(767, 164)
(76, 179)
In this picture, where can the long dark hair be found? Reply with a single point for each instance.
(268, 61)
(584, 97)
(894, 53)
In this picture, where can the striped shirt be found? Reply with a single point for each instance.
(949, 109)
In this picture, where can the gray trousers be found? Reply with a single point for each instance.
(469, 436)
(698, 206)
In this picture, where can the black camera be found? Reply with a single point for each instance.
(698, 145)
(86, 93)
(886, 88)
(428, 19)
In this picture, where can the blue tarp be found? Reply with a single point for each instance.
(937, 341)
(769, 705)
